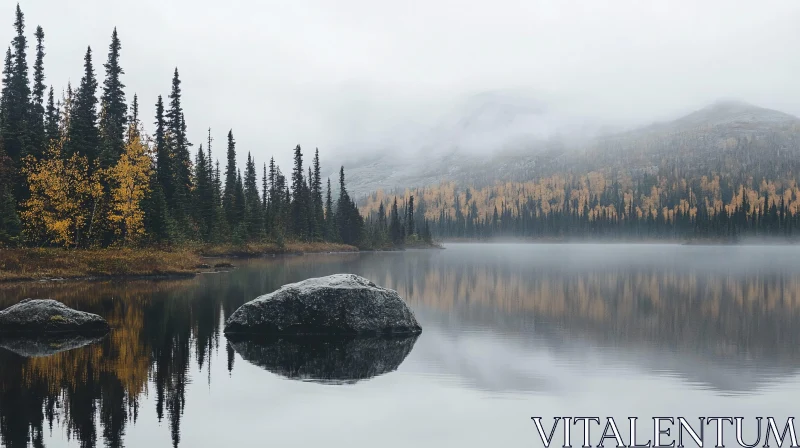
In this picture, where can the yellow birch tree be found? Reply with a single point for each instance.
(129, 186)
(64, 198)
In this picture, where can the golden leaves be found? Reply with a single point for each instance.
(129, 186)
(64, 197)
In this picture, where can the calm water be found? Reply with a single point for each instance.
(509, 332)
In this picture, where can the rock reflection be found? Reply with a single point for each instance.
(47, 345)
(340, 360)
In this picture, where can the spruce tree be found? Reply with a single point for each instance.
(52, 132)
(410, 220)
(83, 135)
(114, 117)
(16, 98)
(163, 159)
(299, 200)
(229, 197)
(348, 218)
(251, 199)
(179, 149)
(6, 96)
(316, 199)
(396, 233)
(264, 189)
(239, 226)
(134, 119)
(37, 117)
(330, 219)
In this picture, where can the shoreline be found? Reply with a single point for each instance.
(33, 265)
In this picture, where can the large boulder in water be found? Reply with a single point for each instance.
(47, 317)
(341, 304)
(327, 360)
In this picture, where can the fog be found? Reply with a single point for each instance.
(358, 77)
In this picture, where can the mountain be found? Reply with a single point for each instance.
(500, 137)
(493, 128)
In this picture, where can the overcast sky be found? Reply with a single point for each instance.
(327, 73)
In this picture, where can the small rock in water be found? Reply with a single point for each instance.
(223, 265)
(49, 316)
(337, 304)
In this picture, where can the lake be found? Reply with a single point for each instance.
(510, 331)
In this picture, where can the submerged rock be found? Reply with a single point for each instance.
(328, 360)
(46, 345)
(49, 316)
(343, 304)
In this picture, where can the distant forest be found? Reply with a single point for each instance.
(80, 172)
(598, 206)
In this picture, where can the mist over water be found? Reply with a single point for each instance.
(510, 331)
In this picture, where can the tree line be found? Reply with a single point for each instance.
(81, 172)
(599, 205)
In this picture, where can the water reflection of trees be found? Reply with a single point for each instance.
(752, 312)
(160, 329)
(164, 328)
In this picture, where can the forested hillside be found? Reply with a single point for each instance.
(726, 171)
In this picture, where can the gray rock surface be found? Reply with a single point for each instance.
(327, 360)
(47, 345)
(338, 304)
(49, 316)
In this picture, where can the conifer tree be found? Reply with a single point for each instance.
(251, 199)
(163, 158)
(330, 219)
(51, 120)
(348, 218)
(299, 199)
(316, 199)
(410, 221)
(134, 128)
(202, 193)
(16, 98)
(113, 106)
(229, 197)
(83, 135)
(179, 151)
(239, 226)
(396, 233)
(37, 117)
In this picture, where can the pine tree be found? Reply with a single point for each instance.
(16, 98)
(37, 117)
(202, 193)
(348, 218)
(52, 132)
(330, 219)
(396, 233)
(410, 220)
(299, 200)
(251, 199)
(239, 226)
(83, 135)
(163, 157)
(229, 197)
(134, 128)
(179, 150)
(114, 109)
(316, 199)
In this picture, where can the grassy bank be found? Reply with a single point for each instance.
(51, 263)
(37, 264)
